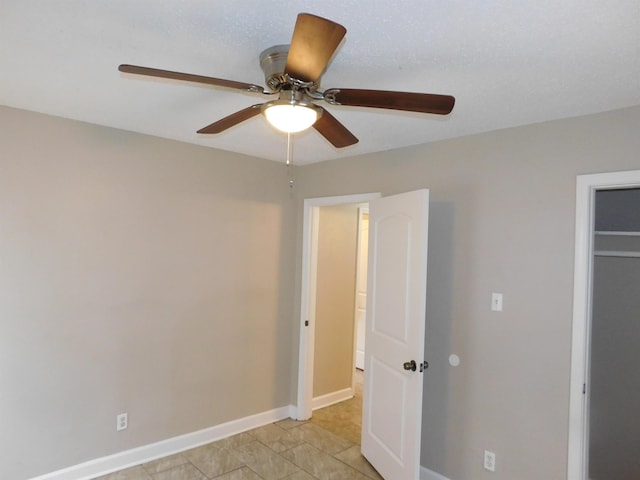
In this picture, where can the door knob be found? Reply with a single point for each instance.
(410, 365)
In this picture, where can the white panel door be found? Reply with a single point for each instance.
(396, 301)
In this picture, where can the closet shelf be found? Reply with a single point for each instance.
(617, 233)
(615, 253)
(609, 243)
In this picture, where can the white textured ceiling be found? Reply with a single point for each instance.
(508, 63)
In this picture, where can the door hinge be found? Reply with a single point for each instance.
(424, 365)
(584, 388)
(306, 323)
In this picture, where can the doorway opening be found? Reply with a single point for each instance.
(593, 246)
(395, 329)
(312, 273)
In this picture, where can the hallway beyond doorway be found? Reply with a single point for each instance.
(344, 418)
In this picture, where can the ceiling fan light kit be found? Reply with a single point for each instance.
(291, 117)
(291, 113)
(293, 73)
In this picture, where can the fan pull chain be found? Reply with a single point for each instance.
(290, 159)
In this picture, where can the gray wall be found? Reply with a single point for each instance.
(438, 393)
(137, 275)
(618, 210)
(335, 299)
(511, 194)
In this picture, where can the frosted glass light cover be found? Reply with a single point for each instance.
(291, 118)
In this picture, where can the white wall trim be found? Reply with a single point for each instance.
(332, 398)
(358, 357)
(118, 461)
(310, 227)
(586, 186)
(426, 474)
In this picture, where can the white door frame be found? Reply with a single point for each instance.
(310, 226)
(586, 187)
(362, 210)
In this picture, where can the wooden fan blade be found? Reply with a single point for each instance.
(232, 120)
(410, 102)
(314, 41)
(331, 129)
(188, 77)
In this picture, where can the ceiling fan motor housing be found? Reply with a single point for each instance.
(272, 62)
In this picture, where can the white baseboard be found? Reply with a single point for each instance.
(426, 474)
(331, 398)
(146, 453)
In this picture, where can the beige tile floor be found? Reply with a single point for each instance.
(327, 447)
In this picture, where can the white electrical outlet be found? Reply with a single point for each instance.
(122, 422)
(489, 461)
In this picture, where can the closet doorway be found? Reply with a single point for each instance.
(614, 387)
(604, 435)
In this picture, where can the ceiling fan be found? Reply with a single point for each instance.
(292, 72)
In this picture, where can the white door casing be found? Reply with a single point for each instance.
(361, 285)
(396, 303)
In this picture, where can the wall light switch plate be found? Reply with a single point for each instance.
(496, 302)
